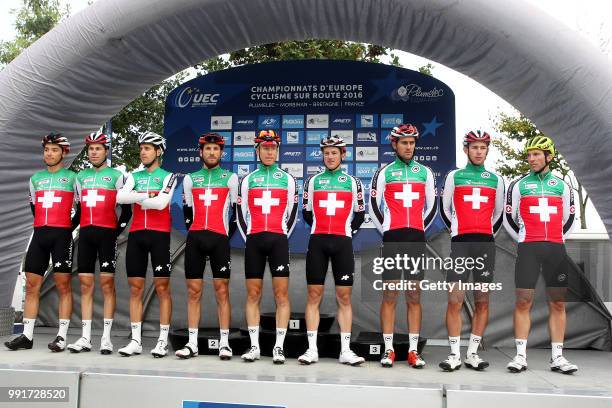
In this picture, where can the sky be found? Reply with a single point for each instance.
(591, 19)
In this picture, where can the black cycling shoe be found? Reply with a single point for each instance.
(19, 342)
(57, 345)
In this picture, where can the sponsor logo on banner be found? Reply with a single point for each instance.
(367, 121)
(220, 122)
(245, 122)
(293, 121)
(294, 169)
(317, 121)
(244, 154)
(385, 136)
(226, 154)
(243, 169)
(390, 120)
(293, 137)
(347, 135)
(366, 153)
(312, 170)
(349, 153)
(416, 93)
(347, 168)
(291, 154)
(313, 154)
(227, 137)
(369, 136)
(269, 122)
(365, 170)
(315, 136)
(387, 154)
(195, 98)
(244, 138)
(341, 122)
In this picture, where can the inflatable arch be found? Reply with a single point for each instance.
(90, 66)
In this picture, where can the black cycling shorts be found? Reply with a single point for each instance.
(97, 242)
(140, 245)
(548, 257)
(268, 246)
(403, 241)
(49, 241)
(479, 249)
(321, 249)
(207, 244)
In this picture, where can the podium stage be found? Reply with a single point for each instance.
(95, 380)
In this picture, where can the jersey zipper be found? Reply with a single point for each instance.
(208, 186)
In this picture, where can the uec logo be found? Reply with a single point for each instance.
(193, 95)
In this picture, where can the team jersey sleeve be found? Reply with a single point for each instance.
(292, 204)
(377, 191)
(32, 197)
(243, 207)
(162, 199)
(569, 210)
(446, 199)
(498, 213)
(307, 201)
(358, 205)
(511, 221)
(431, 201)
(76, 216)
(126, 209)
(127, 195)
(232, 184)
(187, 201)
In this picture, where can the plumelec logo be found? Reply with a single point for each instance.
(295, 169)
(366, 154)
(369, 136)
(317, 121)
(220, 122)
(346, 135)
(244, 138)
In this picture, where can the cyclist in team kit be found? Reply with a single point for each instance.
(150, 191)
(472, 209)
(267, 207)
(333, 205)
(97, 189)
(210, 195)
(539, 215)
(402, 205)
(52, 196)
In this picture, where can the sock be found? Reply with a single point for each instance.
(108, 324)
(345, 342)
(224, 338)
(254, 335)
(557, 349)
(388, 338)
(312, 340)
(455, 344)
(521, 346)
(414, 341)
(193, 336)
(28, 328)
(136, 326)
(280, 337)
(163, 332)
(63, 328)
(86, 329)
(473, 344)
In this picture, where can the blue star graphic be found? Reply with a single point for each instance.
(431, 127)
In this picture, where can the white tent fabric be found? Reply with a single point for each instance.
(90, 66)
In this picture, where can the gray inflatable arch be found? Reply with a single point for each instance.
(90, 66)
